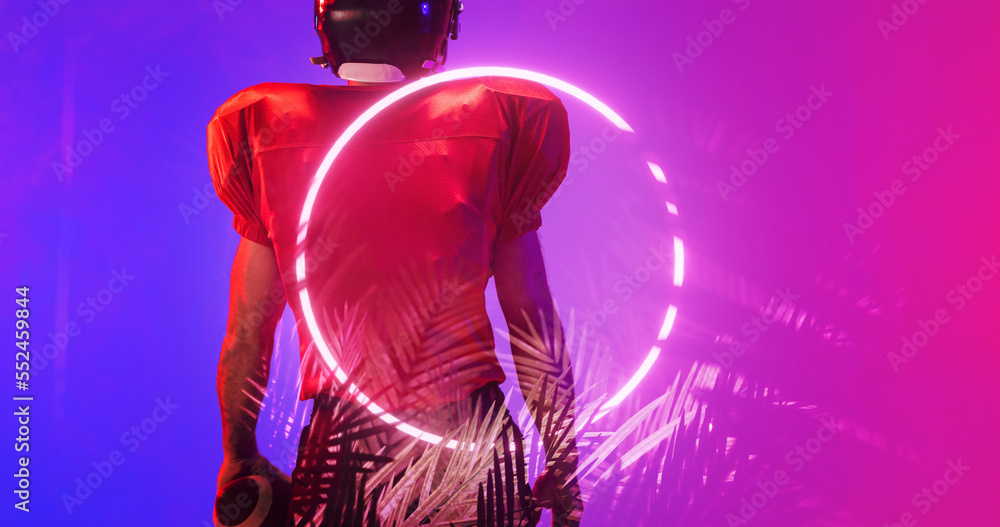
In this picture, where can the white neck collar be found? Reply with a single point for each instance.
(377, 73)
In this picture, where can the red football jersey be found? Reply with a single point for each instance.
(404, 228)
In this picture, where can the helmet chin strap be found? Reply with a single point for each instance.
(373, 73)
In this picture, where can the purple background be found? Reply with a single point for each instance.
(136, 202)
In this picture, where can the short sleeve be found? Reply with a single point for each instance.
(229, 161)
(539, 158)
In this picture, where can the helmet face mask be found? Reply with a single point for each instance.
(411, 35)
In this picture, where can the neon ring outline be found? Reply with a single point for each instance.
(379, 107)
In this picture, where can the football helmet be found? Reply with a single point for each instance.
(411, 35)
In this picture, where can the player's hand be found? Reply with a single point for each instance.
(561, 493)
(234, 468)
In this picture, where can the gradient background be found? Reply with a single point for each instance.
(128, 205)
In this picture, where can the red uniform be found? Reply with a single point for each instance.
(404, 229)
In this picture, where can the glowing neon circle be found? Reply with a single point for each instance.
(353, 129)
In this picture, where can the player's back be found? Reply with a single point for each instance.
(402, 233)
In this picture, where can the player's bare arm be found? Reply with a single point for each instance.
(524, 295)
(244, 364)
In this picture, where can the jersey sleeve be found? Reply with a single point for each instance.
(230, 163)
(539, 159)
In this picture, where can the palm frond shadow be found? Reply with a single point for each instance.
(405, 481)
(423, 484)
(686, 458)
(695, 455)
